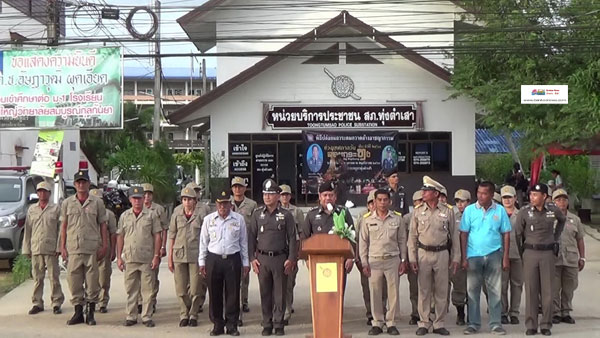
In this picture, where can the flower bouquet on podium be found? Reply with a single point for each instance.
(340, 227)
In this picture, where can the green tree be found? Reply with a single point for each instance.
(517, 42)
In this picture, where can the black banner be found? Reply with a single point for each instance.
(357, 160)
(314, 117)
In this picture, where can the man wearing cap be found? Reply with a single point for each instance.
(105, 264)
(138, 253)
(244, 206)
(200, 205)
(571, 260)
(539, 228)
(485, 239)
(382, 253)
(272, 240)
(164, 223)
(462, 198)
(432, 252)
(41, 244)
(285, 198)
(397, 192)
(413, 283)
(83, 242)
(222, 259)
(319, 220)
(444, 195)
(184, 237)
(514, 275)
(364, 280)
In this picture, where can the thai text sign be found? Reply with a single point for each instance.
(61, 88)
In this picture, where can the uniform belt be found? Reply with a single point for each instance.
(432, 247)
(538, 247)
(385, 257)
(272, 253)
(225, 256)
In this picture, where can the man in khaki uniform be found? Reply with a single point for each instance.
(138, 253)
(105, 264)
(462, 198)
(199, 205)
(285, 198)
(244, 206)
(571, 260)
(41, 244)
(83, 242)
(383, 252)
(539, 227)
(413, 284)
(432, 248)
(514, 275)
(164, 223)
(184, 236)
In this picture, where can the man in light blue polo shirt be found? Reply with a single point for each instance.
(485, 239)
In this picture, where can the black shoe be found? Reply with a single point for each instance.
(35, 310)
(421, 331)
(369, 321)
(200, 310)
(193, 323)
(286, 322)
(56, 310)
(280, 332)
(245, 308)
(103, 309)
(460, 315)
(130, 322)
(568, 319)
(393, 331)
(514, 320)
(469, 331)
(148, 323)
(556, 320)
(217, 331)
(375, 330)
(546, 332)
(504, 320)
(233, 332)
(240, 323)
(139, 309)
(77, 316)
(89, 317)
(530, 332)
(441, 331)
(267, 331)
(184, 323)
(413, 320)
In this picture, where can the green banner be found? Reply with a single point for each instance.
(61, 88)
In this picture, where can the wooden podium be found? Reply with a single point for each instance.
(326, 255)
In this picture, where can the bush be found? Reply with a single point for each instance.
(578, 177)
(493, 167)
(21, 269)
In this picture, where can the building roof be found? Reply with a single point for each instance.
(344, 19)
(36, 9)
(173, 73)
(490, 142)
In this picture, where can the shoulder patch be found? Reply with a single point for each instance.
(419, 206)
(314, 208)
(398, 213)
(367, 214)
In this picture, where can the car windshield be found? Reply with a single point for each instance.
(10, 190)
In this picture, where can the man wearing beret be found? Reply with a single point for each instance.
(397, 192)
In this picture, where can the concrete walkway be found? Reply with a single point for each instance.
(14, 321)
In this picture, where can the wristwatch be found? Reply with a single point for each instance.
(582, 259)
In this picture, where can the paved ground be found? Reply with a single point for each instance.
(14, 321)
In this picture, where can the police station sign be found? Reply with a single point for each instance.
(61, 88)
(350, 117)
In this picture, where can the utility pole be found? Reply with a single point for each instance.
(157, 81)
(53, 25)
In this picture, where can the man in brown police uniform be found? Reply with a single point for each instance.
(244, 206)
(41, 244)
(272, 240)
(198, 190)
(138, 253)
(184, 237)
(383, 252)
(413, 283)
(164, 223)
(83, 242)
(432, 248)
(285, 198)
(462, 198)
(105, 264)
(538, 229)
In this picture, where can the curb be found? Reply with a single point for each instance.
(592, 232)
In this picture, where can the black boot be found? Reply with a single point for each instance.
(89, 318)
(460, 315)
(77, 316)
